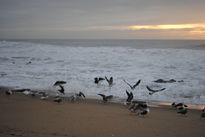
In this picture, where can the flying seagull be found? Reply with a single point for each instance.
(106, 98)
(59, 83)
(97, 80)
(129, 97)
(110, 81)
(62, 89)
(154, 91)
(134, 86)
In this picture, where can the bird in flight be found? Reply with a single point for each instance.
(152, 91)
(106, 98)
(110, 81)
(134, 86)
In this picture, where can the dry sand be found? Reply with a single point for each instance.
(25, 116)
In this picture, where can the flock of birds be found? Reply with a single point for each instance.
(135, 106)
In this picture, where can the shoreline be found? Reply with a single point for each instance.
(27, 116)
(152, 103)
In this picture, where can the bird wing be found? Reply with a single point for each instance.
(102, 95)
(128, 94)
(130, 97)
(107, 79)
(109, 97)
(59, 82)
(62, 89)
(128, 84)
(101, 78)
(138, 82)
(155, 90)
(149, 89)
(81, 94)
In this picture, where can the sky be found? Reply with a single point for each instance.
(102, 19)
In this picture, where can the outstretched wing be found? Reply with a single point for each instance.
(128, 94)
(155, 90)
(128, 84)
(102, 95)
(138, 82)
(59, 82)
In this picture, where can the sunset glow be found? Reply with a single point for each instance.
(167, 27)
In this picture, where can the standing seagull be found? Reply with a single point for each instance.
(154, 91)
(58, 99)
(144, 112)
(203, 113)
(62, 89)
(183, 112)
(106, 98)
(110, 81)
(8, 92)
(134, 86)
(129, 97)
(179, 106)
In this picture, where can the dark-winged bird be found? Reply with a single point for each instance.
(59, 83)
(134, 86)
(129, 97)
(62, 89)
(152, 91)
(110, 81)
(106, 98)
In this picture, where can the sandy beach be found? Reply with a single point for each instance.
(26, 116)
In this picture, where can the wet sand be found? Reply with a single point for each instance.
(26, 116)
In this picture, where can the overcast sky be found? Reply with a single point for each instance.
(102, 19)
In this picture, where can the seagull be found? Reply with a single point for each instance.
(144, 112)
(134, 86)
(138, 106)
(110, 81)
(58, 99)
(8, 92)
(179, 106)
(97, 80)
(62, 89)
(80, 94)
(129, 97)
(59, 83)
(203, 113)
(44, 96)
(154, 91)
(106, 98)
(183, 111)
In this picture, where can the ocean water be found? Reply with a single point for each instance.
(37, 64)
